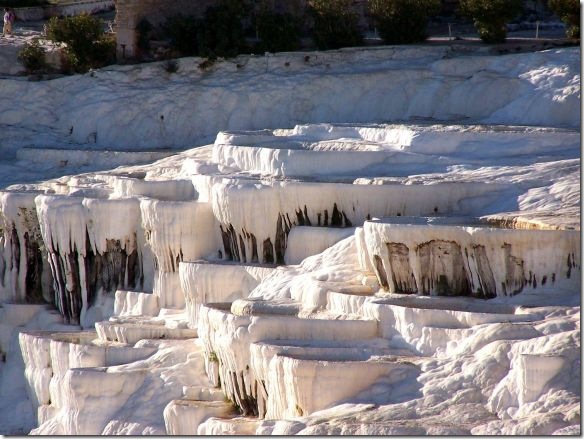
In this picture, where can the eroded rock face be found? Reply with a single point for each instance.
(79, 279)
(444, 272)
(467, 261)
(243, 247)
(484, 272)
(404, 280)
(176, 231)
(515, 278)
(255, 220)
(24, 272)
(92, 252)
(320, 333)
(230, 360)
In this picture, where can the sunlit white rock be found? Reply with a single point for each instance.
(462, 260)
(301, 386)
(183, 417)
(233, 426)
(24, 271)
(251, 237)
(176, 231)
(79, 229)
(128, 303)
(308, 241)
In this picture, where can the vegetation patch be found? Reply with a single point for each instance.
(87, 45)
(32, 57)
(335, 24)
(277, 32)
(569, 13)
(403, 21)
(491, 16)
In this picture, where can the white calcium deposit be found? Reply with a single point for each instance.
(377, 241)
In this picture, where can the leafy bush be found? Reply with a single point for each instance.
(87, 45)
(335, 24)
(277, 32)
(490, 17)
(218, 34)
(104, 50)
(170, 66)
(143, 28)
(32, 57)
(221, 31)
(569, 13)
(403, 21)
(183, 31)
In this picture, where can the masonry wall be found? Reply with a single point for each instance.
(130, 12)
(67, 9)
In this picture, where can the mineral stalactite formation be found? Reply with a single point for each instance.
(92, 251)
(24, 272)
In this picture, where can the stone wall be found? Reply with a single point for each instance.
(63, 10)
(130, 12)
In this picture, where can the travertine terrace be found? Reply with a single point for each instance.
(391, 248)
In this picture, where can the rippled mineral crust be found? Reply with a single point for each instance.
(380, 241)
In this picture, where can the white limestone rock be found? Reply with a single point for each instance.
(203, 282)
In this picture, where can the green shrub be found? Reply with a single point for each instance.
(221, 30)
(335, 24)
(87, 45)
(32, 57)
(218, 34)
(491, 16)
(170, 66)
(104, 50)
(403, 21)
(569, 13)
(277, 32)
(182, 32)
(144, 29)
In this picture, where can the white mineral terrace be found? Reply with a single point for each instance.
(381, 242)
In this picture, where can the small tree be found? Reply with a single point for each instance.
(87, 45)
(218, 34)
(335, 24)
(403, 21)
(569, 13)
(182, 31)
(491, 16)
(221, 32)
(32, 57)
(144, 30)
(277, 32)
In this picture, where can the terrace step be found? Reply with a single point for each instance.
(133, 303)
(271, 362)
(83, 157)
(296, 392)
(228, 359)
(49, 355)
(202, 393)
(183, 417)
(210, 282)
(131, 331)
(238, 426)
